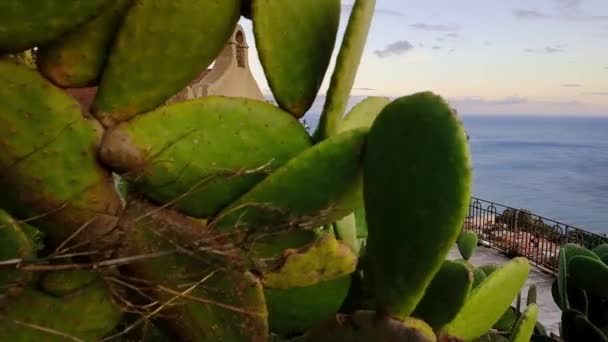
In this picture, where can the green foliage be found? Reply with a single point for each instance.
(489, 301)
(581, 294)
(221, 218)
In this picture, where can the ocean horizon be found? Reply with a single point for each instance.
(554, 166)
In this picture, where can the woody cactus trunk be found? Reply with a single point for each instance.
(222, 219)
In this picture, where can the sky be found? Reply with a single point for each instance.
(529, 57)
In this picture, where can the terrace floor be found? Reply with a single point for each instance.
(549, 313)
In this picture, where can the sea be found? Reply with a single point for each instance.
(556, 167)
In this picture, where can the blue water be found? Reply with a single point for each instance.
(557, 167)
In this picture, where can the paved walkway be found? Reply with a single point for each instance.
(549, 313)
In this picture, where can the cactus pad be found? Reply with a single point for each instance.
(161, 47)
(326, 259)
(203, 154)
(63, 283)
(284, 32)
(346, 231)
(213, 298)
(365, 326)
(446, 295)
(489, 301)
(317, 187)
(416, 207)
(26, 24)
(44, 140)
(364, 113)
(588, 274)
(89, 314)
(296, 309)
(602, 252)
(524, 328)
(346, 68)
(77, 58)
(575, 327)
(467, 243)
(15, 243)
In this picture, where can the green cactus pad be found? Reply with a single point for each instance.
(48, 161)
(365, 326)
(161, 47)
(507, 321)
(577, 298)
(602, 252)
(296, 309)
(364, 113)
(417, 183)
(88, 314)
(285, 31)
(489, 301)
(575, 327)
(446, 295)
(488, 269)
(588, 274)
(227, 307)
(62, 283)
(26, 24)
(478, 277)
(201, 155)
(361, 223)
(566, 253)
(467, 243)
(317, 187)
(524, 328)
(326, 259)
(346, 68)
(214, 298)
(77, 58)
(346, 230)
(531, 298)
(15, 243)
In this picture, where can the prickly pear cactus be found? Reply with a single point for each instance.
(580, 292)
(221, 219)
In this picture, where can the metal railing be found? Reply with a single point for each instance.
(518, 232)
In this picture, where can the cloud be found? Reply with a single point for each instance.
(546, 50)
(568, 10)
(487, 43)
(436, 47)
(395, 49)
(384, 11)
(569, 3)
(529, 14)
(572, 85)
(476, 100)
(452, 35)
(365, 89)
(434, 28)
(598, 93)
